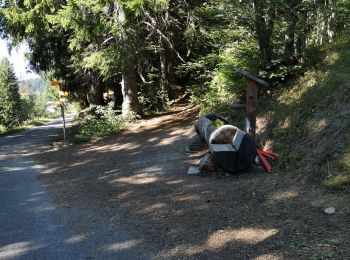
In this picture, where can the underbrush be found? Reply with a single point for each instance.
(103, 121)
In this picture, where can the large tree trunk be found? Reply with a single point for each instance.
(129, 88)
(289, 37)
(95, 94)
(264, 24)
(118, 96)
(300, 44)
(163, 77)
(175, 91)
(331, 22)
(129, 85)
(168, 84)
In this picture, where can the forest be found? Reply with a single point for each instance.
(148, 53)
(141, 169)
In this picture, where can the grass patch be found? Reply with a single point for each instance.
(341, 177)
(308, 120)
(33, 123)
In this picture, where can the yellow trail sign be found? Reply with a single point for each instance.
(63, 93)
(55, 84)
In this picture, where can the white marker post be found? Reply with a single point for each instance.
(62, 95)
(64, 121)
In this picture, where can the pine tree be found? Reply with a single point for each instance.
(9, 95)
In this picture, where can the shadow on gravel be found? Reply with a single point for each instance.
(139, 179)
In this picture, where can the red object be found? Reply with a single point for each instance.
(262, 154)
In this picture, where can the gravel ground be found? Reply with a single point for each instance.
(139, 178)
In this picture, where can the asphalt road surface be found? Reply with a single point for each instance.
(31, 227)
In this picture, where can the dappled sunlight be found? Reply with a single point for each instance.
(250, 236)
(268, 257)
(182, 250)
(222, 239)
(187, 197)
(286, 123)
(139, 179)
(41, 208)
(316, 126)
(283, 195)
(153, 139)
(12, 169)
(152, 208)
(18, 249)
(122, 245)
(81, 163)
(76, 239)
(109, 175)
(332, 58)
(174, 182)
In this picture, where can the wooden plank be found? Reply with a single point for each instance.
(258, 81)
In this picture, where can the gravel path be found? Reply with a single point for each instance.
(138, 178)
(32, 227)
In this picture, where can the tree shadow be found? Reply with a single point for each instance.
(138, 180)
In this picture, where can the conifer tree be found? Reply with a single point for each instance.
(9, 95)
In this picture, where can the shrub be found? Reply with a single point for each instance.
(104, 121)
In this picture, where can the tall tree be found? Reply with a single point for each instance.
(9, 95)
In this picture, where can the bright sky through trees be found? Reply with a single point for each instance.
(17, 59)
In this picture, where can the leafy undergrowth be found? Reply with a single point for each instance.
(103, 122)
(308, 121)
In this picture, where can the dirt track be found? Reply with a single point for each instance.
(138, 177)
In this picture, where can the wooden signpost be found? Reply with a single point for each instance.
(251, 100)
(253, 84)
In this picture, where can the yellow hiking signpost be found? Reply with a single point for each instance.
(62, 96)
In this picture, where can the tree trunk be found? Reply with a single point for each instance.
(264, 29)
(331, 20)
(300, 45)
(84, 103)
(175, 91)
(128, 84)
(118, 96)
(289, 37)
(163, 77)
(129, 88)
(95, 95)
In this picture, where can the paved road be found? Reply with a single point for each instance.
(31, 227)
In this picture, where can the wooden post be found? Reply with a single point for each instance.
(64, 121)
(251, 100)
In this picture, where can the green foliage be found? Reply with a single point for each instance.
(196, 44)
(9, 96)
(105, 121)
(279, 71)
(2, 129)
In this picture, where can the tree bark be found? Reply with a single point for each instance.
(163, 77)
(289, 37)
(300, 44)
(118, 96)
(129, 88)
(129, 84)
(331, 20)
(95, 94)
(264, 28)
